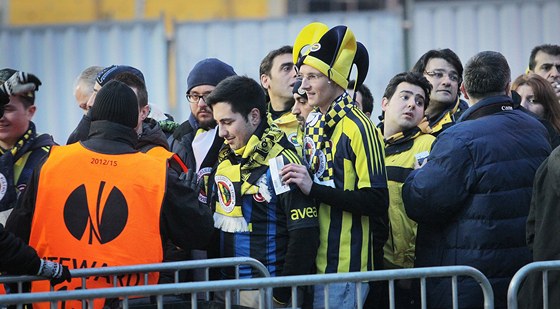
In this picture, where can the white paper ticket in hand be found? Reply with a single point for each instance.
(420, 157)
(276, 165)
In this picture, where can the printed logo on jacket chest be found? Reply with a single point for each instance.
(226, 193)
(106, 224)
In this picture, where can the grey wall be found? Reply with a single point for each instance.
(244, 44)
(57, 54)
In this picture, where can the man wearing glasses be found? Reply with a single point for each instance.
(443, 68)
(196, 140)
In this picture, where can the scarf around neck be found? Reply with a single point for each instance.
(8, 157)
(317, 144)
(238, 175)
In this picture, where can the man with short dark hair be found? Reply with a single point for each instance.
(278, 76)
(255, 218)
(443, 68)
(405, 99)
(471, 199)
(545, 61)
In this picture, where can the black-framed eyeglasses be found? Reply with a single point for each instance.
(437, 74)
(195, 98)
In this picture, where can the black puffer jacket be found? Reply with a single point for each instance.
(471, 199)
(151, 136)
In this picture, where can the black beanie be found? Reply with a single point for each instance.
(209, 71)
(297, 89)
(116, 102)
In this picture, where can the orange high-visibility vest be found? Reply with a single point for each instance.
(159, 151)
(96, 210)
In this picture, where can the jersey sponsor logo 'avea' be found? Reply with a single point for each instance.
(307, 212)
(226, 193)
(109, 220)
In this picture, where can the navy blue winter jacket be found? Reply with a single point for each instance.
(471, 199)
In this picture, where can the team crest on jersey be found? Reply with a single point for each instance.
(293, 139)
(203, 175)
(309, 145)
(226, 193)
(309, 149)
(312, 119)
(3, 186)
(322, 159)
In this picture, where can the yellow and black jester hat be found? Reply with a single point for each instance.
(331, 51)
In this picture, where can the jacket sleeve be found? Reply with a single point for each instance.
(19, 221)
(300, 257)
(541, 186)
(364, 201)
(187, 223)
(16, 257)
(81, 132)
(434, 193)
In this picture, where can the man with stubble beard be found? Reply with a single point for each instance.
(196, 140)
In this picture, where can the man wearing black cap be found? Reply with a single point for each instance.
(103, 203)
(107, 74)
(301, 110)
(21, 148)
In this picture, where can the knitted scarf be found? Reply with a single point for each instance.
(8, 157)
(237, 175)
(317, 143)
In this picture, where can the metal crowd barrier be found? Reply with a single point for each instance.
(264, 285)
(523, 273)
(115, 271)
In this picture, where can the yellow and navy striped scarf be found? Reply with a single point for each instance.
(317, 143)
(237, 176)
(14, 173)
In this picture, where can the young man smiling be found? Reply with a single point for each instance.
(344, 152)
(255, 219)
(21, 148)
